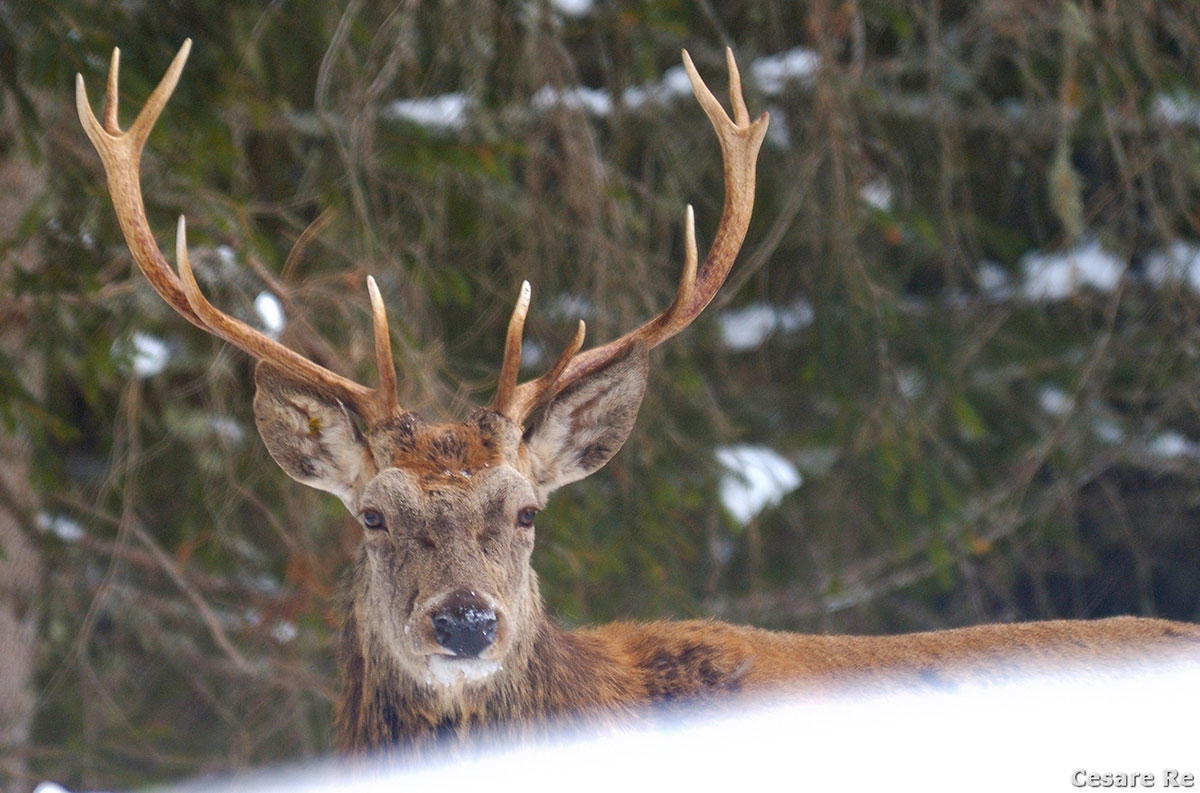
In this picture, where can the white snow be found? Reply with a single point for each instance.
(1108, 430)
(1172, 444)
(573, 8)
(579, 97)
(673, 85)
(1056, 276)
(994, 281)
(62, 527)
(569, 306)
(772, 72)
(51, 787)
(911, 383)
(1014, 110)
(757, 477)
(1177, 109)
(533, 354)
(1178, 262)
(748, 327)
(1055, 401)
(1119, 719)
(447, 111)
(270, 311)
(264, 582)
(284, 631)
(778, 134)
(877, 194)
(226, 256)
(449, 671)
(226, 428)
(149, 355)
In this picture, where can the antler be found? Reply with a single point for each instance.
(121, 152)
(740, 141)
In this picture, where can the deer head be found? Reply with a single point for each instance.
(443, 582)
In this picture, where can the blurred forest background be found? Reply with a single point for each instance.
(964, 328)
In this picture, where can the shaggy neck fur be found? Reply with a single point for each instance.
(549, 676)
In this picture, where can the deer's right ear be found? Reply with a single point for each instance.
(310, 434)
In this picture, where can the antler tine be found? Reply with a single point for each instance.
(517, 401)
(111, 94)
(740, 140)
(526, 397)
(121, 154)
(386, 395)
(741, 116)
(687, 280)
(510, 369)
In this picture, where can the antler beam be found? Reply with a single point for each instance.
(121, 153)
(740, 140)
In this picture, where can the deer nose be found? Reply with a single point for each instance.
(465, 624)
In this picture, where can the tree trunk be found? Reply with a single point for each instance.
(20, 556)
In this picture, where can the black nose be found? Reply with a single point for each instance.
(464, 624)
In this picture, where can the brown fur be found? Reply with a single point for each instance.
(442, 454)
(623, 672)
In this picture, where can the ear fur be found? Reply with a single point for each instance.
(587, 423)
(310, 434)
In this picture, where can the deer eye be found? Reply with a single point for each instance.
(373, 520)
(525, 517)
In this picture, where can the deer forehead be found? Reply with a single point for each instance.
(444, 454)
(428, 468)
(418, 500)
(441, 456)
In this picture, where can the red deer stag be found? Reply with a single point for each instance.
(445, 632)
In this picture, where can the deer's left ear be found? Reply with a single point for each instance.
(586, 424)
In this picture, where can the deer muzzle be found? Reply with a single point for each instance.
(464, 623)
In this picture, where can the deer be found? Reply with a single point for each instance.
(445, 633)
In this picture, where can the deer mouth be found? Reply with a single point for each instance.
(451, 671)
